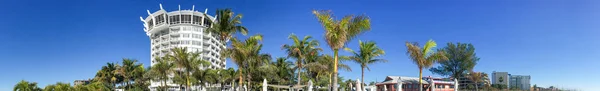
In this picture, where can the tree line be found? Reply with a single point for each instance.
(304, 62)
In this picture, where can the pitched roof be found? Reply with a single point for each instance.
(411, 80)
(395, 79)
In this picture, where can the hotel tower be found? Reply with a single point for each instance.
(182, 28)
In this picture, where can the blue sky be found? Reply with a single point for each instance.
(554, 41)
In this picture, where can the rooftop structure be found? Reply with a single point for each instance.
(403, 83)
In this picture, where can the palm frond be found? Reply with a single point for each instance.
(429, 47)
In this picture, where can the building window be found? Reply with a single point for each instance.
(160, 19)
(186, 35)
(197, 20)
(186, 18)
(451, 86)
(195, 36)
(207, 22)
(174, 19)
(150, 23)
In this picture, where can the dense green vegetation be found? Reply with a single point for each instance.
(304, 62)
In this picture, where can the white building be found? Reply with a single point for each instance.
(182, 28)
(520, 81)
(500, 78)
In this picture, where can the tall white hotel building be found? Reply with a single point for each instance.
(182, 28)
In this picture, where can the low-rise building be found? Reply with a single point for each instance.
(465, 82)
(402, 83)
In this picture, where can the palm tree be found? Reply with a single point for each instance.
(26, 86)
(140, 80)
(476, 77)
(227, 25)
(258, 65)
(94, 86)
(129, 70)
(339, 32)
(206, 76)
(109, 74)
(367, 54)
(226, 76)
(284, 71)
(59, 87)
(188, 62)
(161, 71)
(300, 49)
(424, 58)
(326, 60)
(241, 53)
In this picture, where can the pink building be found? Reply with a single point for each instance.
(401, 83)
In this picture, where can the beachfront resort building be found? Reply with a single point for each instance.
(182, 28)
(402, 83)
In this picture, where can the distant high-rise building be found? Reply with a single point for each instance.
(182, 28)
(520, 81)
(500, 78)
(81, 82)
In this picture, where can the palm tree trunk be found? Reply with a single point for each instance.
(362, 79)
(165, 85)
(299, 69)
(248, 82)
(128, 87)
(420, 77)
(114, 85)
(335, 71)
(240, 81)
(187, 84)
(330, 85)
(476, 87)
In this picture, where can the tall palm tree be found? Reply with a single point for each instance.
(187, 62)
(161, 71)
(241, 53)
(129, 70)
(425, 57)
(109, 74)
(26, 86)
(367, 54)
(300, 49)
(339, 32)
(227, 25)
(258, 66)
(476, 77)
